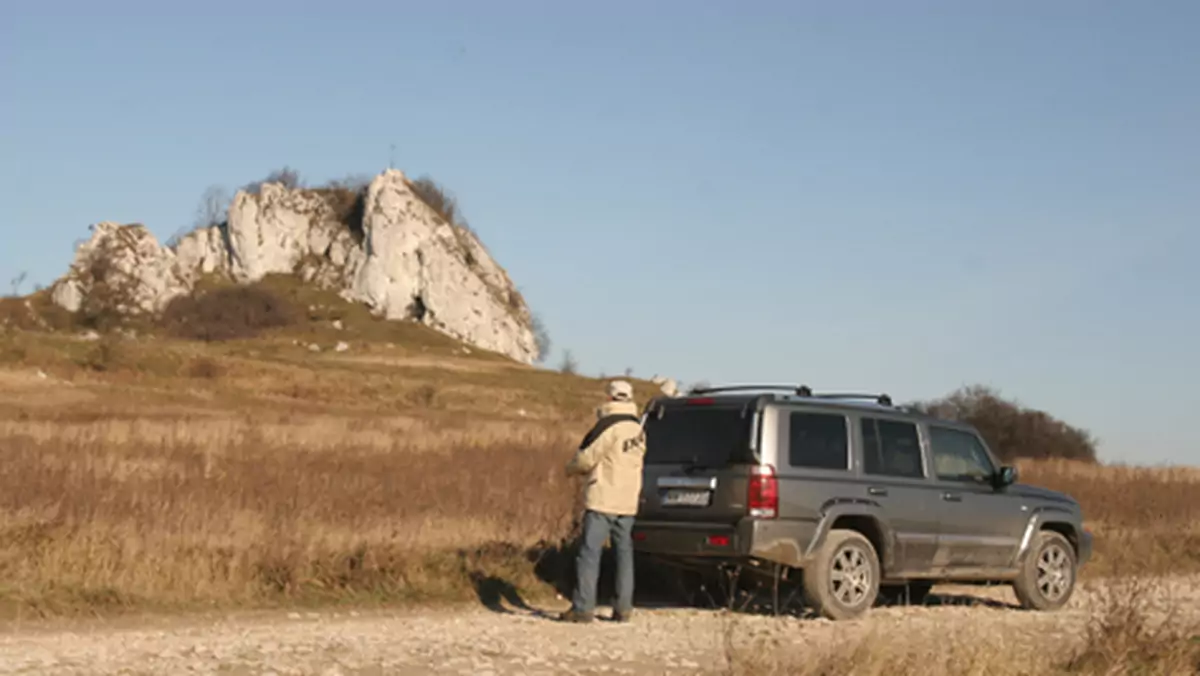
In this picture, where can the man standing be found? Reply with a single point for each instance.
(611, 457)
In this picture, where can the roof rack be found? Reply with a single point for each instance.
(798, 390)
(881, 399)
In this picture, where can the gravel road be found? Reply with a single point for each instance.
(516, 641)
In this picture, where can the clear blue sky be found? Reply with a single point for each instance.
(891, 196)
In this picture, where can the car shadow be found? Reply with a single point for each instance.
(663, 588)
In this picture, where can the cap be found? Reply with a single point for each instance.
(620, 390)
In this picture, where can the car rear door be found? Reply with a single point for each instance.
(698, 462)
(895, 476)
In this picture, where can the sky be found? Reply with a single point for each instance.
(870, 196)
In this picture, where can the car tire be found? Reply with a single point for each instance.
(912, 594)
(826, 587)
(1047, 577)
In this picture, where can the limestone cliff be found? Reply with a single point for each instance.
(396, 255)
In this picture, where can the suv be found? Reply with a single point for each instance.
(864, 499)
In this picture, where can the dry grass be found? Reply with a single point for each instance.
(1143, 518)
(1129, 625)
(177, 513)
(177, 474)
(160, 473)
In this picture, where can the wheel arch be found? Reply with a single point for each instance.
(1052, 520)
(1065, 529)
(862, 518)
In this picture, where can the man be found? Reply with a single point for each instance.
(611, 457)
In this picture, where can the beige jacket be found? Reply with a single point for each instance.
(611, 457)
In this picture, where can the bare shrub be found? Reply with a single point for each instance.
(205, 368)
(541, 336)
(569, 364)
(109, 295)
(439, 199)
(286, 176)
(425, 396)
(18, 282)
(213, 207)
(1124, 636)
(348, 202)
(1012, 430)
(105, 355)
(229, 313)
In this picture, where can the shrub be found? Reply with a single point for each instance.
(108, 354)
(541, 336)
(228, 313)
(435, 197)
(1011, 430)
(569, 365)
(205, 368)
(288, 177)
(109, 296)
(348, 203)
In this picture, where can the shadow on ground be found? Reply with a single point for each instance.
(661, 587)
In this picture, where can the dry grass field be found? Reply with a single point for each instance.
(149, 473)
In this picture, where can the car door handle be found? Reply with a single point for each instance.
(877, 490)
(952, 497)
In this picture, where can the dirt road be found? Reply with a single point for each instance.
(517, 641)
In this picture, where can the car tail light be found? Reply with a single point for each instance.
(700, 401)
(763, 500)
(718, 540)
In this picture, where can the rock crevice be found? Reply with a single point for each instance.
(402, 260)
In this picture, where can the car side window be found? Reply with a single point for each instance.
(959, 455)
(891, 448)
(818, 441)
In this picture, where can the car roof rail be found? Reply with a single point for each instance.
(882, 399)
(799, 390)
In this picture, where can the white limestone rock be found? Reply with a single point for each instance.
(129, 263)
(203, 251)
(406, 262)
(417, 265)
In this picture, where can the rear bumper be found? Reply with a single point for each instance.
(691, 540)
(770, 540)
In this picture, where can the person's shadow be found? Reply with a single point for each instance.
(494, 592)
(554, 566)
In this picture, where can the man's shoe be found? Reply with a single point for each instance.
(622, 615)
(576, 617)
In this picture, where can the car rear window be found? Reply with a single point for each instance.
(708, 436)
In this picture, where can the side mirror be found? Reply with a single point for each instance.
(1006, 476)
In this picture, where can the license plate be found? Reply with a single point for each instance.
(678, 497)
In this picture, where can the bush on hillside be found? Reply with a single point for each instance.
(287, 177)
(541, 336)
(437, 198)
(1011, 430)
(348, 201)
(229, 313)
(110, 296)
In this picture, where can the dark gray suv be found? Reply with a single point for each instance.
(862, 499)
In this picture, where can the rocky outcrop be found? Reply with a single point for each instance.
(127, 262)
(401, 259)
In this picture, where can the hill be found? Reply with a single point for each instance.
(155, 471)
(390, 244)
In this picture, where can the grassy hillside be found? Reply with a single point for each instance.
(152, 471)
